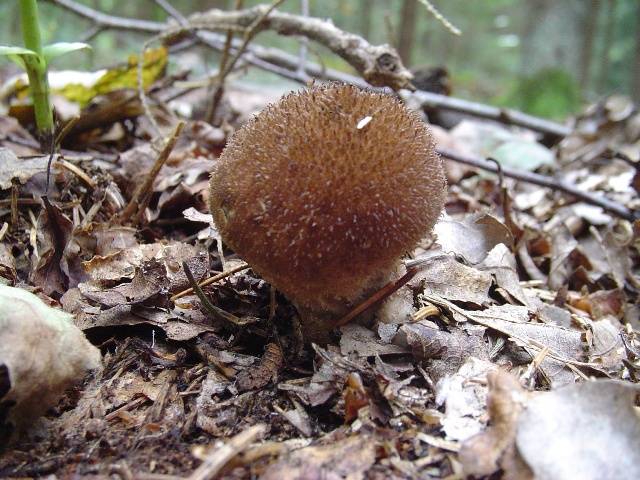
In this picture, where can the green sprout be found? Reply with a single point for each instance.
(34, 59)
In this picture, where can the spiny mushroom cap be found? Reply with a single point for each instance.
(323, 191)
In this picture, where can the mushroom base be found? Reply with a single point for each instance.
(320, 316)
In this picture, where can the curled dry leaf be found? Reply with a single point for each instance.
(464, 395)
(485, 452)
(42, 353)
(56, 262)
(472, 238)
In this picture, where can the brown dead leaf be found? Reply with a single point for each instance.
(51, 269)
(443, 351)
(443, 275)
(502, 265)
(346, 459)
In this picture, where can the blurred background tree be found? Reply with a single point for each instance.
(542, 56)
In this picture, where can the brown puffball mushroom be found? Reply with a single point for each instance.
(324, 191)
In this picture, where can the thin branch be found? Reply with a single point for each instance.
(141, 196)
(109, 21)
(219, 457)
(287, 66)
(380, 65)
(211, 280)
(216, 86)
(503, 115)
(377, 297)
(543, 181)
(441, 18)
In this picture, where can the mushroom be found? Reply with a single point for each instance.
(324, 191)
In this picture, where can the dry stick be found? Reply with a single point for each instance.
(503, 115)
(251, 32)
(211, 280)
(4, 230)
(77, 171)
(216, 87)
(377, 297)
(214, 462)
(141, 196)
(441, 18)
(544, 181)
(380, 65)
(216, 312)
(287, 65)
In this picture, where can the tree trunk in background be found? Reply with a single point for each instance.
(364, 10)
(406, 29)
(609, 13)
(588, 35)
(552, 35)
(635, 79)
(534, 12)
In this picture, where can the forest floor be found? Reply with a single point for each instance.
(514, 351)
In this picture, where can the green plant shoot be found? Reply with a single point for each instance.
(34, 58)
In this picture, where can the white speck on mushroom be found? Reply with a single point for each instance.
(364, 122)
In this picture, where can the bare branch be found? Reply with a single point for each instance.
(287, 66)
(380, 65)
(544, 181)
(507, 116)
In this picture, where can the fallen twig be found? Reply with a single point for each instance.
(216, 85)
(377, 297)
(216, 312)
(219, 457)
(141, 196)
(211, 280)
(380, 65)
(503, 115)
(544, 181)
(288, 66)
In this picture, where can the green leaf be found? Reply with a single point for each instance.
(61, 48)
(4, 50)
(523, 154)
(15, 54)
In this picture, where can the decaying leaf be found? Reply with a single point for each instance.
(472, 238)
(588, 431)
(41, 352)
(494, 448)
(444, 276)
(464, 396)
(339, 459)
